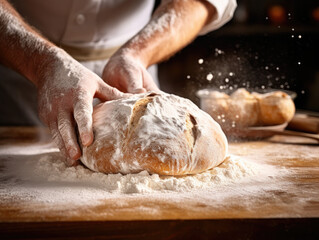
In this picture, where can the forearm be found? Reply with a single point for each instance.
(22, 48)
(174, 25)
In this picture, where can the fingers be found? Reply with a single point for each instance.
(67, 132)
(56, 136)
(135, 84)
(105, 92)
(128, 75)
(141, 81)
(83, 110)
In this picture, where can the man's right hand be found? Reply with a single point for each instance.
(65, 95)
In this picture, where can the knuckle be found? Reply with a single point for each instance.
(56, 135)
(83, 113)
(64, 126)
(114, 93)
(58, 141)
(84, 124)
(81, 93)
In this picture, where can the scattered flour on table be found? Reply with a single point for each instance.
(54, 170)
(45, 178)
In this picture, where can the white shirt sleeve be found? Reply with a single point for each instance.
(224, 12)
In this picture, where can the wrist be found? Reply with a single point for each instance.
(47, 63)
(136, 53)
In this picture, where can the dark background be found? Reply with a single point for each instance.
(268, 44)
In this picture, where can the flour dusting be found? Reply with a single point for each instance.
(54, 170)
(46, 178)
(158, 25)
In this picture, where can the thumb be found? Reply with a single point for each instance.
(105, 92)
(135, 84)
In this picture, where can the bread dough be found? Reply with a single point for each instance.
(160, 133)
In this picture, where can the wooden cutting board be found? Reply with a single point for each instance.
(294, 199)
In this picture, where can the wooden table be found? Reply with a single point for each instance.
(287, 210)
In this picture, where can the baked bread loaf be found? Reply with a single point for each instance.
(159, 133)
(275, 108)
(245, 109)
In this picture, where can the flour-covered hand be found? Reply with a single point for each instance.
(65, 93)
(128, 74)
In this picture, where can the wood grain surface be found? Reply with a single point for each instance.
(289, 209)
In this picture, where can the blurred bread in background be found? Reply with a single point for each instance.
(244, 109)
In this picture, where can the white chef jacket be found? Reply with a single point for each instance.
(98, 24)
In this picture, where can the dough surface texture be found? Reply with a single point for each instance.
(159, 133)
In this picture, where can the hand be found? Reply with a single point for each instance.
(65, 97)
(127, 74)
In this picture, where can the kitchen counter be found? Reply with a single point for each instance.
(285, 205)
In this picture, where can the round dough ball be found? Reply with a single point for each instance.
(276, 108)
(159, 133)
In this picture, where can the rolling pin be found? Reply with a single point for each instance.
(304, 123)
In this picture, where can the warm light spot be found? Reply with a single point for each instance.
(315, 14)
(277, 14)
